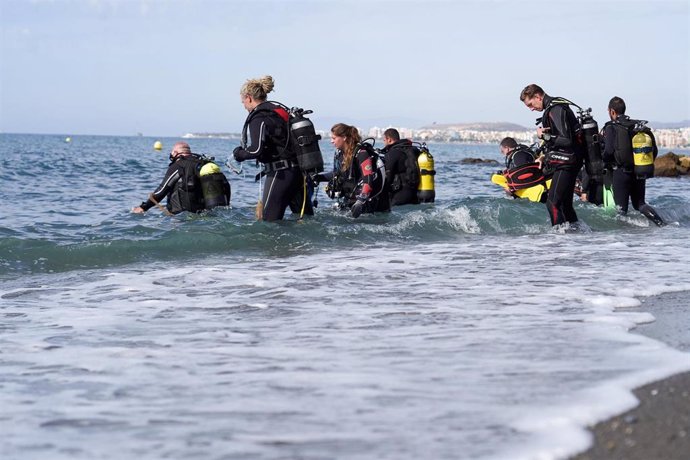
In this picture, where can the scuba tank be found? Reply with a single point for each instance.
(214, 186)
(425, 191)
(593, 160)
(305, 141)
(643, 151)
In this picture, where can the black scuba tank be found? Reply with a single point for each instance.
(593, 160)
(305, 141)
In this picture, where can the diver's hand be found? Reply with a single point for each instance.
(239, 155)
(138, 210)
(358, 207)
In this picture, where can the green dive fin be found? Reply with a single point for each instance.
(532, 193)
(609, 203)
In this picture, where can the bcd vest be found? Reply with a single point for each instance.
(189, 191)
(410, 178)
(558, 157)
(276, 118)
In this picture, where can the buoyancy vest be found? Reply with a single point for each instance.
(291, 134)
(557, 156)
(409, 177)
(349, 182)
(524, 176)
(189, 193)
(275, 118)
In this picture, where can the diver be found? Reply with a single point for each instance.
(629, 179)
(521, 172)
(564, 154)
(516, 154)
(265, 139)
(402, 168)
(183, 187)
(588, 189)
(357, 180)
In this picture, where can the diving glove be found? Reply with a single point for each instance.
(239, 154)
(358, 207)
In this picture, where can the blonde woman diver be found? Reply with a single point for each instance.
(265, 139)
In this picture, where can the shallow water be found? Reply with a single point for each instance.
(463, 329)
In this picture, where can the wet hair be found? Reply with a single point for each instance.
(392, 133)
(509, 142)
(352, 138)
(618, 105)
(530, 91)
(258, 88)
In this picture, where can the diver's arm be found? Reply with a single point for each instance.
(165, 187)
(257, 141)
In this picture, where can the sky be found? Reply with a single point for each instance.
(165, 68)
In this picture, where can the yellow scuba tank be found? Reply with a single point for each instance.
(214, 186)
(425, 191)
(643, 154)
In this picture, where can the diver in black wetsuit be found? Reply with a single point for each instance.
(618, 150)
(181, 184)
(402, 168)
(356, 180)
(265, 139)
(564, 154)
(516, 154)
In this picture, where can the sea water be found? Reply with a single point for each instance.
(463, 329)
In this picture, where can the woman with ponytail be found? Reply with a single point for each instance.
(355, 180)
(265, 139)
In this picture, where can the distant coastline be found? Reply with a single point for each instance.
(671, 135)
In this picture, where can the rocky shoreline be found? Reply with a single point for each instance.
(671, 165)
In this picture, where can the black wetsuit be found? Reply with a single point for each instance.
(564, 157)
(520, 155)
(181, 186)
(626, 185)
(402, 172)
(593, 188)
(265, 139)
(362, 180)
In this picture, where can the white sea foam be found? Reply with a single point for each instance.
(464, 328)
(425, 339)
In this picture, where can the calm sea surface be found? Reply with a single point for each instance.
(463, 329)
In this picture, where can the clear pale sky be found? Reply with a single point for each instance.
(165, 68)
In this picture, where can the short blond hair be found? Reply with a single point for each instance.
(258, 88)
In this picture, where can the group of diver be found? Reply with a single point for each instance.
(611, 166)
(363, 180)
(616, 161)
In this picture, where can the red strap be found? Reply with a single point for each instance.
(282, 113)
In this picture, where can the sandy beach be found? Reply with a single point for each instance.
(659, 427)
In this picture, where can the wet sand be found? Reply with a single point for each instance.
(659, 428)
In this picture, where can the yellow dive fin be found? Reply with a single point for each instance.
(499, 179)
(534, 193)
